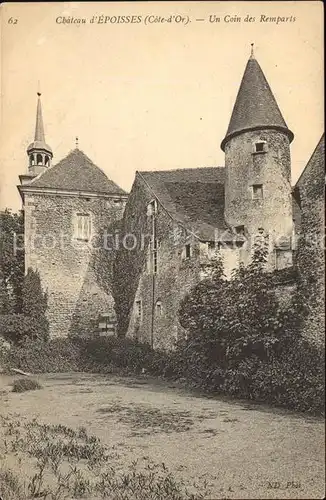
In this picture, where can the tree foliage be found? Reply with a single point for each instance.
(35, 303)
(229, 321)
(12, 255)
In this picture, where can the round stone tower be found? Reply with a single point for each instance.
(258, 167)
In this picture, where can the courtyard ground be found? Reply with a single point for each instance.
(243, 450)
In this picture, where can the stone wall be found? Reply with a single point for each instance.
(310, 191)
(70, 269)
(155, 319)
(272, 169)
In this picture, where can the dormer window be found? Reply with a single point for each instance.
(260, 147)
(257, 192)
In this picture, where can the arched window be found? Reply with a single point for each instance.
(39, 159)
(47, 161)
(158, 308)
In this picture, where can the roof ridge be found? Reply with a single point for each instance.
(178, 169)
(77, 171)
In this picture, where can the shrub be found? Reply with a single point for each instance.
(100, 353)
(11, 488)
(16, 328)
(12, 256)
(25, 384)
(241, 341)
(35, 303)
(56, 355)
(293, 378)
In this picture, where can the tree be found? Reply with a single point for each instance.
(12, 254)
(35, 303)
(229, 321)
(5, 302)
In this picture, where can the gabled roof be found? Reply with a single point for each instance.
(255, 106)
(317, 159)
(194, 197)
(76, 172)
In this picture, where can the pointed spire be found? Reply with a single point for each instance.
(39, 127)
(255, 106)
(39, 136)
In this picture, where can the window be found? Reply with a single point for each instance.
(240, 230)
(106, 325)
(188, 251)
(211, 247)
(283, 258)
(39, 159)
(257, 192)
(138, 309)
(151, 208)
(83, 229)
(260, 147)
(155, 247)
(158, 308)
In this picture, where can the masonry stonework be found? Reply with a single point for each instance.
(309, 200)
(68, 267)
(270, 169)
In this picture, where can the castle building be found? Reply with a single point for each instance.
(67, 209)
(170, 227)
(192, 215)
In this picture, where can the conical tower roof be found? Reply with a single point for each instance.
(39, 137)
(255, 106)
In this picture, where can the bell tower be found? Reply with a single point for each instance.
(258, 167)
(39, 153)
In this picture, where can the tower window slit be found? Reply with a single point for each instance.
(257, 192)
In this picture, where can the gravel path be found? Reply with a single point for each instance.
(242, 450)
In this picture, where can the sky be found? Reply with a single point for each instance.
(151, 95)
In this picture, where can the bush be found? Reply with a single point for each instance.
(25, 384)
(118, 352)
(35, 303)
(293, 378)
(16, 328)
(56, 355)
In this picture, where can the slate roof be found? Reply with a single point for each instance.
(255, 105)
(317, 159)
(76, 172)
(39, 136)
(194, 197)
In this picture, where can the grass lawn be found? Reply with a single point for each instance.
(239, 450)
